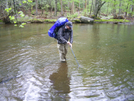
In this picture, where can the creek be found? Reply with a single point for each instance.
(30, 69)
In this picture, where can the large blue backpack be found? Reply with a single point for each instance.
(60, 22)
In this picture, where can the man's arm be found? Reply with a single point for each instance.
(71, 37)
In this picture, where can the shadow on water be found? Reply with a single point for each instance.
(60, 82)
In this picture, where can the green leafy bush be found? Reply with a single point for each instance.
(71, 16)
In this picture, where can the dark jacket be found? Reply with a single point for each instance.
(64, 35)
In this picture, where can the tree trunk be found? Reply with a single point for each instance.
(86, 7)
(69, 7)
(131, 10)
(72, 8)
(6, 3)
(126, 11)
(125, 14)
(14, 6)
(98, 5)
(15, 10)
(79, 5)
(51, 11)
(95, 7)
(85, 4)
(120, 8)
(36, 7)
(51, 8)
(55, 7)
(61, 7)
(91, 7)
(107, 7)
(42, 11)
(114, 10)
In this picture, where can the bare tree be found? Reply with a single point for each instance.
(85, 4)
(131, 10)
(61, 8)
(126, 11)
(114, 10)
(55, 7)
(98, 5)
(36, 7)
(72, 8)
(120, 7)
(79, 5)
(6, 3)
(91, 7)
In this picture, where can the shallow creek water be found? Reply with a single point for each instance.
(30, 69)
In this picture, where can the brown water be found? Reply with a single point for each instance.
(30, 69)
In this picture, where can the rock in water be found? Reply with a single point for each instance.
(86, 19)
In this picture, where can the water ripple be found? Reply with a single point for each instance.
(30, 69)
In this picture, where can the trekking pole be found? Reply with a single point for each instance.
(74, 56)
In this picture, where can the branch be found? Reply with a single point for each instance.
(103, 3)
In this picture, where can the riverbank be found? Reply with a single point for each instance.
(74, 20)
(28, 19)
(113, 21)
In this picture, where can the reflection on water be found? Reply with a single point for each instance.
(30, 69)
(59, 79)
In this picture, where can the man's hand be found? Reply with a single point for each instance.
(69, 44)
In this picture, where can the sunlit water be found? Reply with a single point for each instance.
(30, 69)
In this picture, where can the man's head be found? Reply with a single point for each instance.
(68, 25)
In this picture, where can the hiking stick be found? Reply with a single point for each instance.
(74, 57)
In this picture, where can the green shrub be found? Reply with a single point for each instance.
(1, 21)
(33, 12)
(71, 16)
(112, 20)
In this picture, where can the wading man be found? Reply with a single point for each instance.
(64, 34)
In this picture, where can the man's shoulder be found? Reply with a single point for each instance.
(61, 28)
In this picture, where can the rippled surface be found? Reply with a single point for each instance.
(30, 69)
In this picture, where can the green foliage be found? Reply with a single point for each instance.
(1, 21)
(14, 22)
(24, 1)
(50, 20)
(33, 12)
(46, 13)
(8, 9)
(21, 13)
(84, 12)
(71, 16)
(58, 6)
(109, 8)
(112, 20)
(11, 17)
(116, 5)
(29, 1)
(22, 25)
